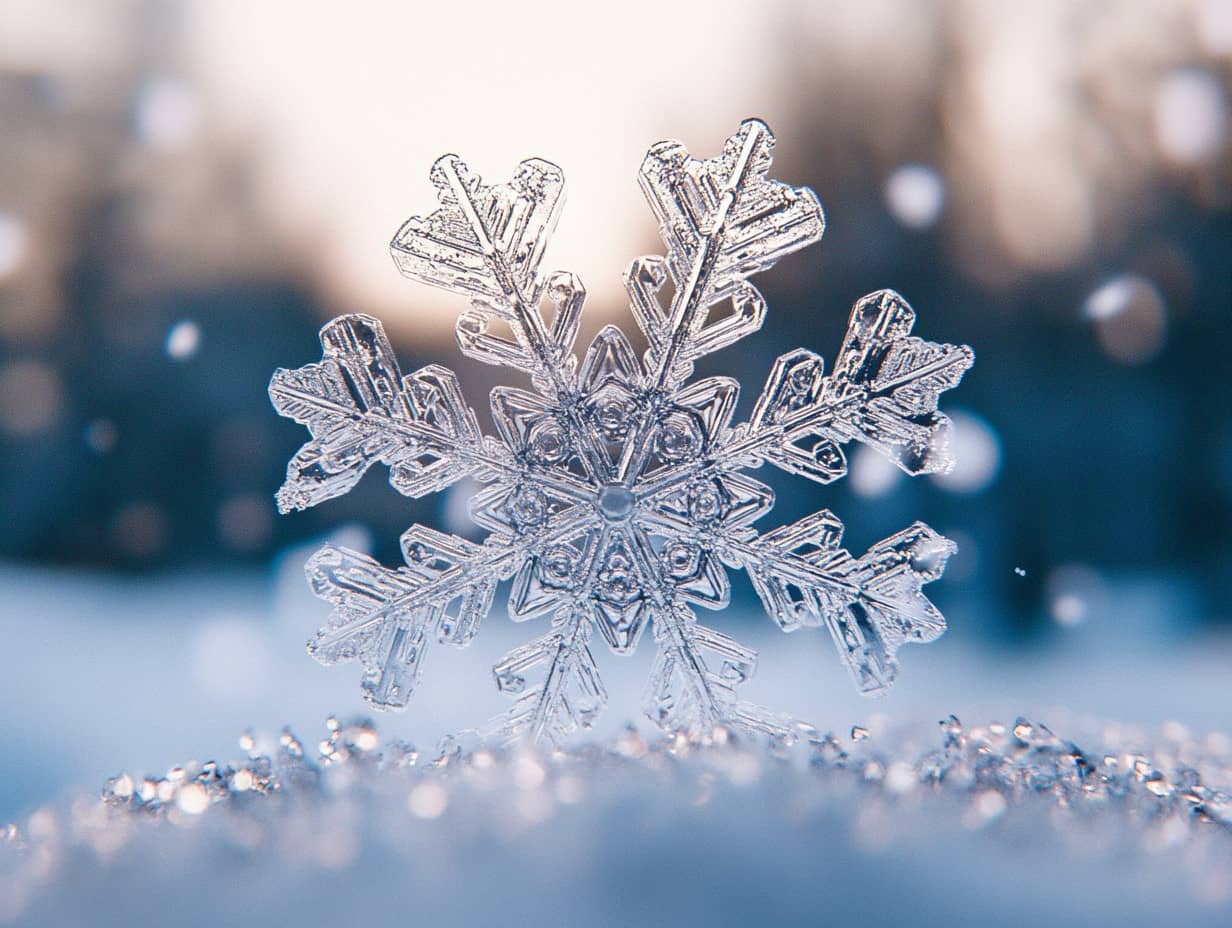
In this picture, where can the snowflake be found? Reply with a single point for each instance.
(615, 494)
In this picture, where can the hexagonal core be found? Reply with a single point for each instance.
(616, 503)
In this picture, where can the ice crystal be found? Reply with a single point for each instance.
(1097, 825)
(615, 493)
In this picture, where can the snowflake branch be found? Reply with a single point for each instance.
(495, 558)
(671, 629)
(495, 237)
(392, 652)
(688, 302)
(360, 409)
(571, 695)
(681, 676)
(722, 220)
(527, 324)
(884, 392)
(871, 604)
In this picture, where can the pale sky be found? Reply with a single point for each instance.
(351, 109)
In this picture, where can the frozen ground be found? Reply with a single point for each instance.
(1009, 824)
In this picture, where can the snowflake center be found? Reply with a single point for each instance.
(616, 502)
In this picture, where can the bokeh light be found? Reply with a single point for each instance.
(31, 398)
(977, 454)
(1191, 116)
(12, 244)
(1075, 594)
(246, 521)
(101, 436)
(1130, 320)
(166, 114)
(183, 340)
(915, 194)
(871, 474)
(139, 529)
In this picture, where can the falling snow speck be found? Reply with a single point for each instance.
(616, 493)
(1020, 571)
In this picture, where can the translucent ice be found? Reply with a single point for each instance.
(615, 493)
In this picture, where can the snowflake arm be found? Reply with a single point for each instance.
(870, 605)
(684, 692)
(883, 392)
(722, 221)
(570, 696)
(386, 618)
(360, 409)
(485, 242)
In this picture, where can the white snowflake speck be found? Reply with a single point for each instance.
(615, 493)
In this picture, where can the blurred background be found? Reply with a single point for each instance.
(188, 190)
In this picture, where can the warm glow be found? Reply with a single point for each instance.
(350, 110)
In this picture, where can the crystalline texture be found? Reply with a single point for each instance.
(615, 493)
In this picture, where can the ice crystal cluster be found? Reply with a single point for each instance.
(616, 492)
(1121, 826)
